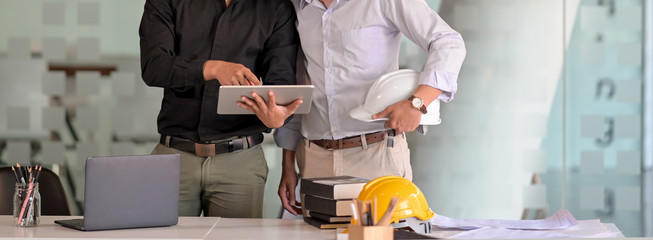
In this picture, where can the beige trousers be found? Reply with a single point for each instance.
(226, 185)
(371, 161)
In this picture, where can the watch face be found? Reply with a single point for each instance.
(417, 102)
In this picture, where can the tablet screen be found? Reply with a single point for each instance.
(285, 94)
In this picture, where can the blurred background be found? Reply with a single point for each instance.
(554, 107)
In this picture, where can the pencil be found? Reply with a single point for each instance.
(15, 174)
(36, 178)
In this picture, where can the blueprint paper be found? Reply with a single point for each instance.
(560, 220)
(502, 233)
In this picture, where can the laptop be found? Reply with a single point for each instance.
(284, 95)
(129, 192)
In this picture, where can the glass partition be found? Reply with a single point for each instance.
(548, 115)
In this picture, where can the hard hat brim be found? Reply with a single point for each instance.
(361, 114)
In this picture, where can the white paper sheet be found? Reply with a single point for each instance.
(560, 220)
(502, 233)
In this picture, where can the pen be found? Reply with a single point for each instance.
(20, 173)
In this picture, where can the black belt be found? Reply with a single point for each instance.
(211, 149)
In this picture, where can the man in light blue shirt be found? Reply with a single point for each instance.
(348, 45)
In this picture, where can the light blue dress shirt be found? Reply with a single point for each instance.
(349, 45)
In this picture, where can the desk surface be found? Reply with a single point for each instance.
(187, 228)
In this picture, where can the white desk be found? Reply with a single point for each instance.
(189, 228)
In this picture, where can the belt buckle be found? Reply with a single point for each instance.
(236, 144)
(324, 144)
(205, 149)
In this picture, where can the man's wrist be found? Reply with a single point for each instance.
(417, 103)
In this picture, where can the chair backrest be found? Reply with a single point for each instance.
(53, 196)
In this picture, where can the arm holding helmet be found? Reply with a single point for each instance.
(446, 52)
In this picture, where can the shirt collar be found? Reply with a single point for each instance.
(305, 3)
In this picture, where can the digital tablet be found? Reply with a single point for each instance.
(285, 94)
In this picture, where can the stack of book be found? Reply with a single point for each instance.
(327, 201)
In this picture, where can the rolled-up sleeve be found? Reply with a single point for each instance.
(288, 136)
(445, 47)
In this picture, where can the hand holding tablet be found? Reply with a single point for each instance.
(284, 94)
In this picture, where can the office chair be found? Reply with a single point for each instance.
(53, 197)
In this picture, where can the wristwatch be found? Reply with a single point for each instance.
(417, 103)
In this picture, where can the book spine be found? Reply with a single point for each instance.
(321, 205)
(312, 188)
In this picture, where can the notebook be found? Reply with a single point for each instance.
(129, 192)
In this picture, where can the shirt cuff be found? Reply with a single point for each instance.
(195, 74)
(288, 136)
(444, 81)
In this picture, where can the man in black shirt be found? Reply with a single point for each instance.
(190, 48)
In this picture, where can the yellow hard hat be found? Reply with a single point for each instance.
(411, 200)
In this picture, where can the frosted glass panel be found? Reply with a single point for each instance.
(54, 118)
(501, 18)
(534, 196)
(54, 83)
(592, 198)
(84, 151)
(467, 17)
(591, 162)
(88, 118)
(88, 48)
(592, 54)
(54, 13)
(54, 48)
(628, 198)
(18, 152)
(124, 83)
(628, 126)
(88, 13)
(630, 18)
(53, 152)
(592, 126)
(629, 91)
(629, 162)
(629, 54)
(87, 83)
(18, 48)
(18, 118)
(593, 17)
(123, 120)
(122, 149)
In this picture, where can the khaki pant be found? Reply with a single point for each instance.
(226, 185)
(374, 160)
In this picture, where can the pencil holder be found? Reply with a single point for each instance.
(358, 232)
(27, 205)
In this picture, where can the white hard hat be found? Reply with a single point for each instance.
(390, 89)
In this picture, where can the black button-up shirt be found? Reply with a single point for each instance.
(178, 36)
